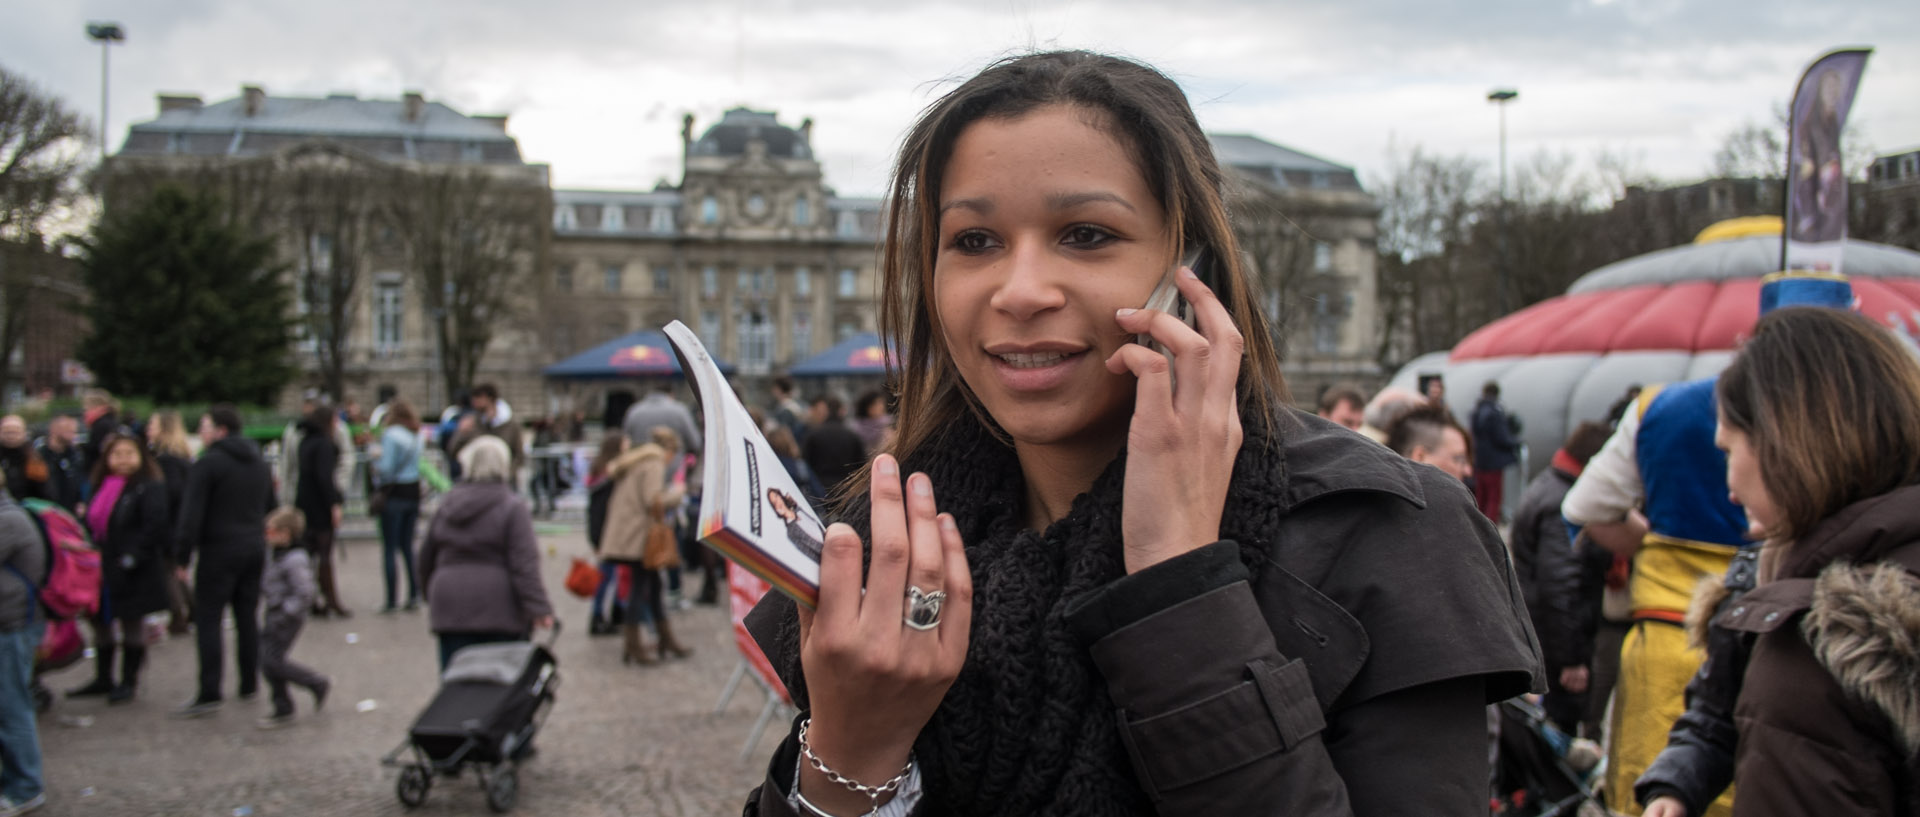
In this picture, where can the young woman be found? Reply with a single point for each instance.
(167, 442)
(1820, 419)
(1154, 588)
(131, 526)
(397, 473)
(645, 491)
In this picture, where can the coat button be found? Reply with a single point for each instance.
(1773, 615)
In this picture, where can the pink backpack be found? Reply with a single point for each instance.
(72, 587)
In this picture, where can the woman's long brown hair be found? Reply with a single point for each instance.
(1150, 116)
(1830, 402)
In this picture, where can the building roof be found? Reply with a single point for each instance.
(739, 126)
(1279, 165)
(378, 126)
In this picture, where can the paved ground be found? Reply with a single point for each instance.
(620, 741)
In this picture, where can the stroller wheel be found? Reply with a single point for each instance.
(502, 787)
(413, 786)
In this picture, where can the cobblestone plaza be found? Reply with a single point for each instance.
(619, 740)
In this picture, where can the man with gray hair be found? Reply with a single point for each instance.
(659, 408)
(1385, 409)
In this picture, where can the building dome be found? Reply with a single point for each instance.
(1666, 316)
(740, 126)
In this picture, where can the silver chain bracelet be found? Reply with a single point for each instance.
(872, 793)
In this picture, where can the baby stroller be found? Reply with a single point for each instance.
(492, 700)
(1533, 775)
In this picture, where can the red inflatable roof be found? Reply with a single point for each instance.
(1691, 316)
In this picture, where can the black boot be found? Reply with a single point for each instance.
(102, 682)
(131, 658)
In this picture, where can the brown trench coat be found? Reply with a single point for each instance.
(639, 486)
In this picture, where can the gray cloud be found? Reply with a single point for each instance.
(597, 87)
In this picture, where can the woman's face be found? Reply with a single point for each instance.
(1046, 228)
(1744, 485)
(124, 459)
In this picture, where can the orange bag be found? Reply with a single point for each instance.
(583, 579)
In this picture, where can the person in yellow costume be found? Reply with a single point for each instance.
(1657, 492)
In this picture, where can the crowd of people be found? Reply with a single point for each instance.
(198, 535)
(1072, 573)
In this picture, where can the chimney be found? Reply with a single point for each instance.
(499, 121)
(416, 106)
(806, 131)
(180, 102)
(686, 138)
(255, 97)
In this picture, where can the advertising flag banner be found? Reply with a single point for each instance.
(1816, 217)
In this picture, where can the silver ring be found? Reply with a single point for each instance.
(923, 608)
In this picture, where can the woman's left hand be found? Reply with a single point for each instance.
(1186, 426)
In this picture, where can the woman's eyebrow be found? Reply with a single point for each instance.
(1069, 201)
(981, 206)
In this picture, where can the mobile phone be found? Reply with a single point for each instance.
(1167, 298)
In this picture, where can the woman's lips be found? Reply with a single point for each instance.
(1035, 371)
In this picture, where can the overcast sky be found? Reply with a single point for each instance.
(596, 88)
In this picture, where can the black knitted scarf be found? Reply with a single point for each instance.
(1027, 728)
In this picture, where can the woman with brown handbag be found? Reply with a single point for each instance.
(638, 537)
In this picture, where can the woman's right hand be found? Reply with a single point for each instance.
(872, 681)
(1665, 807)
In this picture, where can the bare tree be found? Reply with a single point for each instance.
(1280, 238)
(42, 145)
(1757, 151)
(331, 208)
(1432, 282)
(472, 237)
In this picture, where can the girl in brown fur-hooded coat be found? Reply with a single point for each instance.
(1820, 418)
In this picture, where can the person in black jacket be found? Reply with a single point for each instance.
(66, 463)
(26, 473)
(131, 526)
(224, 518)
(833, 450)
(167, 442)
(1549, 569)
(319, 499)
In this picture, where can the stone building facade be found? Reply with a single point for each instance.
(752, 250)
(1309, 232)
(318, 175)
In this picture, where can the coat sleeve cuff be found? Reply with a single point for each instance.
(1137, 596)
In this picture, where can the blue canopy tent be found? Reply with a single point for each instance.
(646, 353)
(862, 354)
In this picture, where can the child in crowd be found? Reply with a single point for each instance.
(286, 591)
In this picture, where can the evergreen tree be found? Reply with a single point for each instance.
(186, 307)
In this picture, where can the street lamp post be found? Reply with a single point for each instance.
(1500, 97)
(106, 34)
